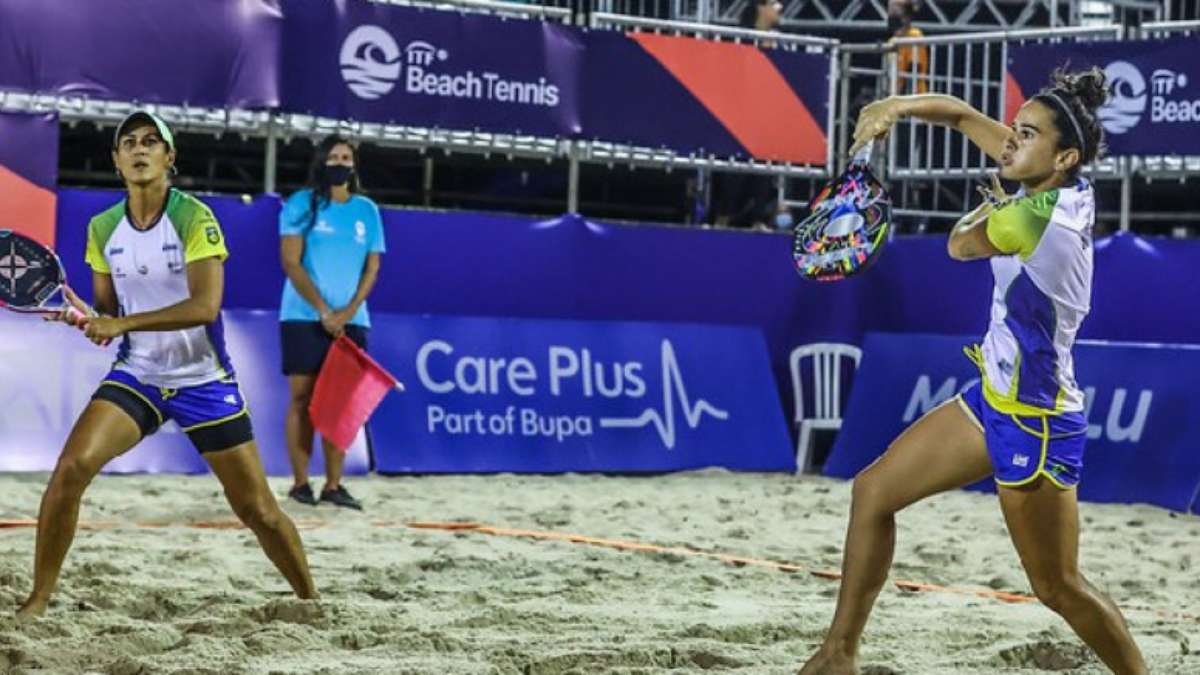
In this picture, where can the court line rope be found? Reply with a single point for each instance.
(617, 544)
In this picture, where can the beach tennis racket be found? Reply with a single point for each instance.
(848, 224)
(32, 277)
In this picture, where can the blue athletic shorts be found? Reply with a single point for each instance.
(1023, 448)
(213, 415)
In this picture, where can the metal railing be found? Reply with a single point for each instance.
(935, 169)
(941, 163)
(936, 16)
(545, 10)
(972, 68)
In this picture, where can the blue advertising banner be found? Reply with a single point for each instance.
(489, 395)
(220, 53)
(571, 268)
(49, 371)
(1141, 406)
(378, 62)
(1154, 107)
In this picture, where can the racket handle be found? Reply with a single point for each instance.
(863, 156)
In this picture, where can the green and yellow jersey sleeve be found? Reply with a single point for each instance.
(1016, 228)
(198, 228)
(100, 230)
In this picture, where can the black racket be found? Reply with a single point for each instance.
(31, 275)
(848, 224)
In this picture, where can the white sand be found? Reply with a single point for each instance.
(397, 600)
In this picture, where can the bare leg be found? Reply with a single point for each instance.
(101, 433)
(1043, 521)
(335, 459)
(941, 451)
(241, 474)
(298, 428)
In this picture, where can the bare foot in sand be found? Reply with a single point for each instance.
(32, 609)
(826, 663)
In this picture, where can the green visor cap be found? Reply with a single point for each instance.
(145, 116)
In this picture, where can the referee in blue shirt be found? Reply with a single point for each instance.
(330, 242)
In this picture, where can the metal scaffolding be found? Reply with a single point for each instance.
(932, 170)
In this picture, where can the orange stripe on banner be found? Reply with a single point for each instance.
(26, 207)
(742, 88)
(1013, 98)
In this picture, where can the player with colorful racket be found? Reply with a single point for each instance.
(1023, 422)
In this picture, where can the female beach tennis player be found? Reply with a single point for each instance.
(156, 260)
(1024, 423)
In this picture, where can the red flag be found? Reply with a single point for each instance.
(349, 388)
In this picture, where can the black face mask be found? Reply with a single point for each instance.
(338, 174)
(894, 23)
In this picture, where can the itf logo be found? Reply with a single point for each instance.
(370, 60)
(373, 63)
(419, 53)
(1127, 100)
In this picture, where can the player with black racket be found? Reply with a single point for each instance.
(158, 278)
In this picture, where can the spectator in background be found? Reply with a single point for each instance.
(761, 15)
(912, 68)
(330, 242)
(912, 61)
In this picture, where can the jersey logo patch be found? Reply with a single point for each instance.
(212, 234)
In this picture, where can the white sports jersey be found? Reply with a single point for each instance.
(149, 272)
(1042, 293)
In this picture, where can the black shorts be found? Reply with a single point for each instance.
(305, 344)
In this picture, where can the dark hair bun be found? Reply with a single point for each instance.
(1089, 87)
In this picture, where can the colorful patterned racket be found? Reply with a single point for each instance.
(849, 222)
(30, 276)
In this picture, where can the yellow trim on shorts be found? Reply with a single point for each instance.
(213, 423)
(970, 413)
(135, 392)
(1041, 468)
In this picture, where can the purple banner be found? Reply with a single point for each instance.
(49, 371)
(29, 174)
(211, 53)
(354, 59)
(1154, 106)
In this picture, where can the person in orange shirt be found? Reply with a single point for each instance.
(913, 61)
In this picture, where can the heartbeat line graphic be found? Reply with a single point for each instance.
(672, 384)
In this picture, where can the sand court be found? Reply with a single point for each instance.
(692, 572)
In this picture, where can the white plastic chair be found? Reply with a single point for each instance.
(826, 392)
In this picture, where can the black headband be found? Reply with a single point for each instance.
(1074, 122)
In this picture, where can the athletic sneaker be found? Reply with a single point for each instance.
(339, 496)
(303, 494)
